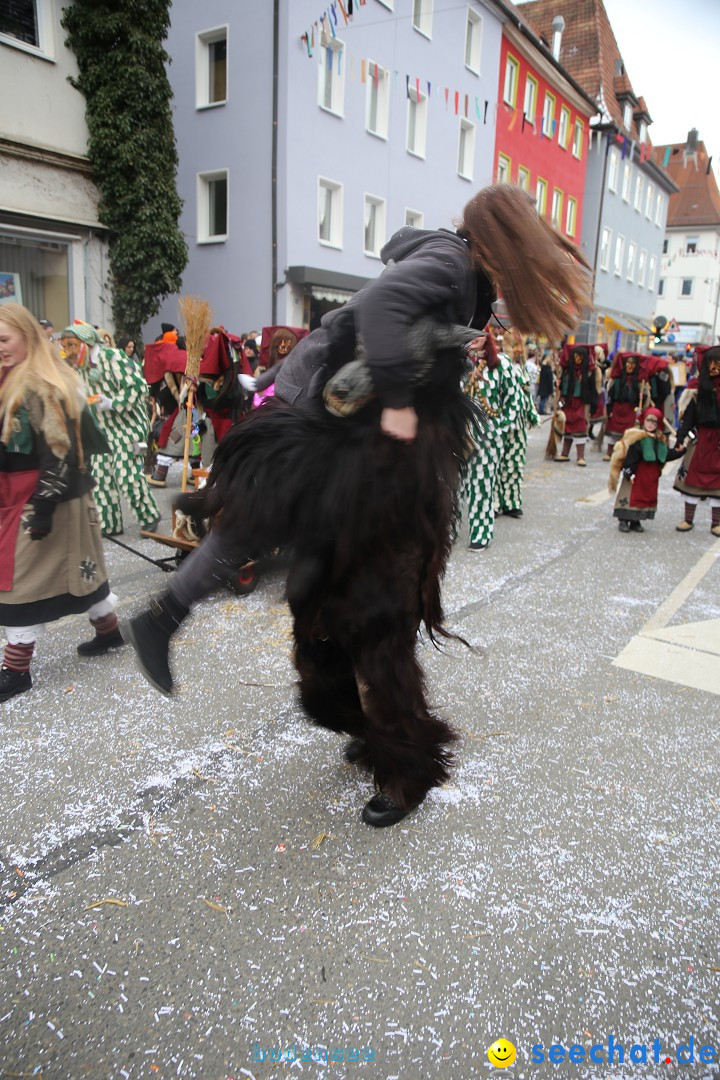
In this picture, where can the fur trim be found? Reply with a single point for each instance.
(48, 418)
(685, 398)
(632, 435)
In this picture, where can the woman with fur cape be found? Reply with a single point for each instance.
(640, 454)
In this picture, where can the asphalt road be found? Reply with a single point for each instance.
(187, 885)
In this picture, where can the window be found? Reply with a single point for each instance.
(503, 169)
(378, 100)
(212, 224)
(557, 201)
(642, 257)
(417, 122)
(416, 218)
(651, 273)
(642, 137)
(523, 180)
(422, 16)
(686, 286)
(374, 225)
(331, 77)
(578, 136)
(613, 170)
(661, 287)
(571, 217)
(619, 255)
(530, 104)
(665, 246)
(659, 209)
(691, 245)
(466, 149)
(627, 176)
(511, 80)
(564, 130)
(548, 115)
(541, 196)
(605, 249)
(649, 201)
(627, 115)
(639, 182)
(27, 24)
(330, 212)
(41, 268)
(389, 4)
(211, 68)
(632, 249)
(473, 41)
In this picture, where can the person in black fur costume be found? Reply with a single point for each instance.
(364, 497)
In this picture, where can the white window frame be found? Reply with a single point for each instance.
(468, 128)
(337, 80)
(691, 240)
(504, 169)
(523, 178)
(686, 295)
(203, 40)
(605, 246)
(417, 216)
(658, 208)
(530, 98)
(389, 4)
(578, 139)
(204, 179)
(473, 41)
(642, 263)
(417, 106)
(626, 182)
(380, 205)
(651, 274)
(613, 170)
(642, 136)
(627, 115)
(510, 86)
(564, 127)
(639, 185)
(556, 207)
(571, 216)
(548, 114)
(335, 188)
(541, 190)
(619, 256)
(632, 252)
(45, 48)
(649, 201)
(422, 17)
(383, 100)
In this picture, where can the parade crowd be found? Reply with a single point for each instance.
(86, 421)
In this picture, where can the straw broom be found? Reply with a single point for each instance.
(551, 448)
(196, 315)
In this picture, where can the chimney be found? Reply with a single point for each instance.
(692, 141)
(558, 25)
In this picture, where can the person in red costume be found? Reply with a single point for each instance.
(640, 455)
(579, 395)
(698, 477)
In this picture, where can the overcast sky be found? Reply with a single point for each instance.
(671, 50)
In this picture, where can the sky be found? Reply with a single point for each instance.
(671, 50)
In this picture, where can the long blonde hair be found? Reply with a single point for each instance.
(40, 363)
(543, 277)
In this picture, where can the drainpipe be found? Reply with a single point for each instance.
(273, 180)
(558, 25)
(600, 210)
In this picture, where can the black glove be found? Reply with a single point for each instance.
(39, 522)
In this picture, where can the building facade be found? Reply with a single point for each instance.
(53, 249)
(689, 286)
(626, 190)
(379, 121)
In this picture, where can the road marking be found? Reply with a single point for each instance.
(686, 654)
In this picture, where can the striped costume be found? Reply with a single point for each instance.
(512, 466)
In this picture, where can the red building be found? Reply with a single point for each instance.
(543, 129)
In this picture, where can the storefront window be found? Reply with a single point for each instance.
(35, 273)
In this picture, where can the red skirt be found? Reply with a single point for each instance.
(575, 417)
(699, 473)
(621, 418)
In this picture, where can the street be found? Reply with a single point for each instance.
(188, 889)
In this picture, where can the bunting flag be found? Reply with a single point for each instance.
(709, 166)
(407, 86)
(447, 95)
(350, 8)
(362, 71)
(428, 88)
(524, 121)
(344, 12)
(624, 148)
(376, 76)
(417, 88)
(511, 125)
(457, 102)
(466, 106)
(332, 26)
(477, 108)
(485, 113)
(306, 39)
(333, 12)
(666, 157)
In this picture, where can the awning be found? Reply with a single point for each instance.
(620, 321)
(333, 295)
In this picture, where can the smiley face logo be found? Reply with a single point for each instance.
(501, 1054)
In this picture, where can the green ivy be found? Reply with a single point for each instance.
(121, 63)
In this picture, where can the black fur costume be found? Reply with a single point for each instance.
(368, 524)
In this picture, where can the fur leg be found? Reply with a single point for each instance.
(328, 690)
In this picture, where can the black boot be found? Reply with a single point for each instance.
(636, 526)
(355, 750)
(149, 634)
(382, 811)
(13, 682)
(101, 643)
